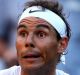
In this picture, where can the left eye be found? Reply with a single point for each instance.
(41, 34)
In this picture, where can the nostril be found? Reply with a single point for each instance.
(29, 45)
(26, 45)
(32, 45)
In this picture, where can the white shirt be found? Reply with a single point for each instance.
(16, 70)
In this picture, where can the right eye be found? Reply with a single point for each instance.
(22, 33)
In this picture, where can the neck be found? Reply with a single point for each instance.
(46, 70)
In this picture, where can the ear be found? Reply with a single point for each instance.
(63, 43)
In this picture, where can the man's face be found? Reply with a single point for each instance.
(36, 43)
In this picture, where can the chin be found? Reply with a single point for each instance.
(33, 66)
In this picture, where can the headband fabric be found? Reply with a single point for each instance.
(49, 16)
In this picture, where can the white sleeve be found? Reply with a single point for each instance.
(10, 71)
(5, 72)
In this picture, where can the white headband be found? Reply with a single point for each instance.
(49, 16)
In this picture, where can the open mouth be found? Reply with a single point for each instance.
(32, 55)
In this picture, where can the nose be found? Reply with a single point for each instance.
(29, 41)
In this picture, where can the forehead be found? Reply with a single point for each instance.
(33, 21)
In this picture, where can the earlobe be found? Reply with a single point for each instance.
(63, 43)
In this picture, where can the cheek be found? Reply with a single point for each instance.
(19, 45)
(48, 47)
(51, 48)
(47, 43)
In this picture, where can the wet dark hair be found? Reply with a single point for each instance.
(54, 6)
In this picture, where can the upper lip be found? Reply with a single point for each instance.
(32, 54)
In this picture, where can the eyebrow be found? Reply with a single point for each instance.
(21, 26)
(38, 26)
(43, 26)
